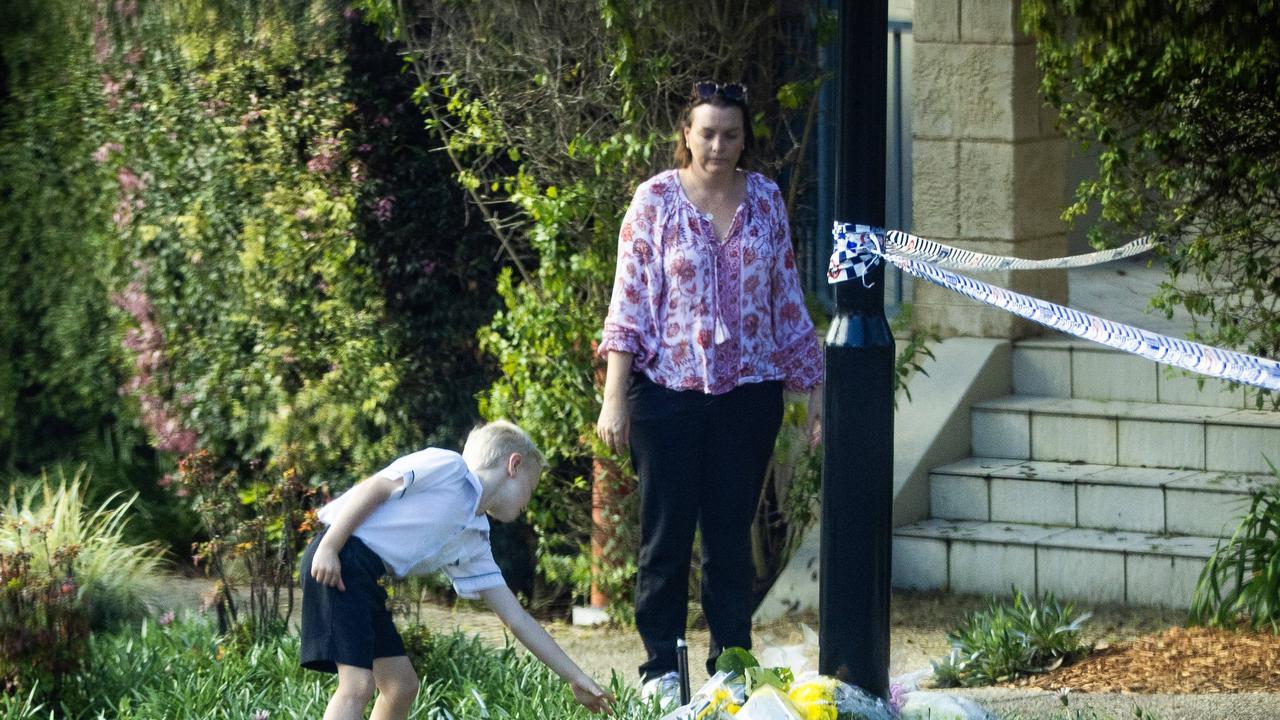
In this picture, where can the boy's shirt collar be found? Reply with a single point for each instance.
(479, 488)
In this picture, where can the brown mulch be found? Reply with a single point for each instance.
(1178, 660)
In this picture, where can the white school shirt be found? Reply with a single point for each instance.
(430, 523)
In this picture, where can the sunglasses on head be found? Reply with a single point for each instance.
(707, 89)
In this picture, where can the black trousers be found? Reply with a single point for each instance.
(701, 460)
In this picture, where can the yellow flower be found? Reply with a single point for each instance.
(719, 699)
(816, 698)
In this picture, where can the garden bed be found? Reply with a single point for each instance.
(1177, 660)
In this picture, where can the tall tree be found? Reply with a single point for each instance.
(552, 114)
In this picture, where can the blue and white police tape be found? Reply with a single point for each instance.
(897, 242)
(1204, 359)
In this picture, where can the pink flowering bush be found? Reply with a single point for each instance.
(60, 178)
(150, 383)
(287, 266)
(222, 230)
(250, 319)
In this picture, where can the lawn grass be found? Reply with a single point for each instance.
(186, 671)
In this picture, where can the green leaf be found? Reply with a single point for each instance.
(778, 677)
(736, 660)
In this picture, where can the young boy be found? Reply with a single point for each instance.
(423, 512)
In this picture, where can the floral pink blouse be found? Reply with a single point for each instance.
(700, 314)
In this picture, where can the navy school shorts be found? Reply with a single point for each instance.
(351, 627)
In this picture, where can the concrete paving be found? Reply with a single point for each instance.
(1026, 704)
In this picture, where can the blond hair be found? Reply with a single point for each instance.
(494, 442)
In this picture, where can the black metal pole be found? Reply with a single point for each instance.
(857, 470)
(682, 666)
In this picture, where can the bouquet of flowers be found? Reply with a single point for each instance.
(742, 689)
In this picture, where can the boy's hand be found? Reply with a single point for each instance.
(592, 696)
(326, 568)
(533, 636)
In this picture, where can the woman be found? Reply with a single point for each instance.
(706, 327)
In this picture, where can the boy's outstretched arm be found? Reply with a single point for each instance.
(532, 635)
(361, 500)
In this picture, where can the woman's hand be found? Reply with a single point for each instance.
(614, 425)
(591, 696)
(814, 425)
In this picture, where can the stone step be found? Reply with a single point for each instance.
(1071, 368)
(1098, 566)
(1107, 497)
(1136, 434)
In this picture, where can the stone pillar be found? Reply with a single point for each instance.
(989, 170)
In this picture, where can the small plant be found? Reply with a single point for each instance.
(255, 535)
(116, 580)
(406, 596)
(1241, 581)
(910, 359)
(418, 640)
(43, 624)
(788, 500)
(1005, 641)
(64, 569)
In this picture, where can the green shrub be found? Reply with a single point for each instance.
(251, 315)
(117, 581)
(250, 187)
(58, 369)
(1008, 640)
(1241, 581)
(1178, 100)
(292, 269)
(64, 568)
(256, 532)
(60, 361)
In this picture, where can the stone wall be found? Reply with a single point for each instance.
(989, 170)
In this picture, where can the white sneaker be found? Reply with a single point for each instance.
(664, 687)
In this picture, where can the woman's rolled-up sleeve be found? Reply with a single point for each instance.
(631, 325)
(796, 349)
